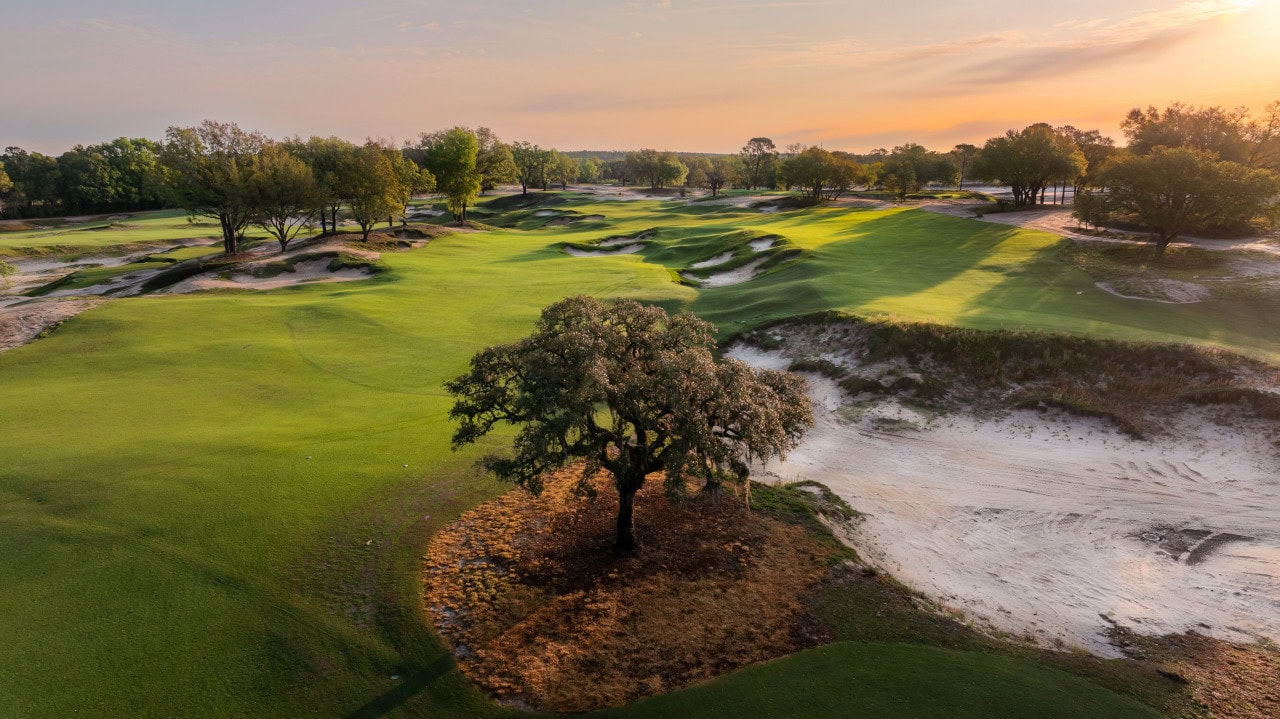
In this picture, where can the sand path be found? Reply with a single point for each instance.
(1039, 525)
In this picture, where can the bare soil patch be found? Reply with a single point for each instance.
(543, 616)
(1230, 681)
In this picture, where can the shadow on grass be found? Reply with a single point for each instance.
(409, 687)
(895, 255)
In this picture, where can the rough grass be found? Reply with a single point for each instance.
(880, 681)
(1134, 385)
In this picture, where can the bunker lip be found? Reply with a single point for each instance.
(626, 250)
(735, 276)
(1033, 523)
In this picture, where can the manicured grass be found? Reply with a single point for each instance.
(170, 550)
(876, 681)
(98, 236)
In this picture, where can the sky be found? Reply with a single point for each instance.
(689, 75)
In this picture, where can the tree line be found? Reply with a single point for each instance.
(1225, 162)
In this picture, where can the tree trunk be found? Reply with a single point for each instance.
(625, 540)
(390, 221)
(284, 246)
(1162, 242)
(365, 229)
(324, 223)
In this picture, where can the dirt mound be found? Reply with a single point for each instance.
(541, 614)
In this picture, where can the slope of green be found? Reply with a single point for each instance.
(205, 502)
(872, 681)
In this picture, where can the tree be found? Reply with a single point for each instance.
(1212, 129)
(721, 172)
(5, 183)
(414, 180)
(909, 168)
(327, 157)
(371, 186)
(821, 173)
(758, 157)
(563, 169)
(630, 390)
(699, 166)
(494, 160)
(34, 178)
(963, 154)
(533, 164)
(85, 181)
(285, 195)
(620, 170)
(1172, 191)
(1028, 160)
(1091, 208)
(136, 172)
(210, 166)
(1263, 137)
(589, 170)
(451, 157)
(659, 169)
(1095, 147)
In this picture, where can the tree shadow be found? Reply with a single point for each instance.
(897, 255)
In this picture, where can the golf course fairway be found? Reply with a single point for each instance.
(214, 504)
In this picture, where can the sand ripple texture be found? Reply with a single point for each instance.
(1040, 525)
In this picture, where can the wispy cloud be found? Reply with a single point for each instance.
(1102, 43)
(1008, 55)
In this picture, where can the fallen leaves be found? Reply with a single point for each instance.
(542, 614)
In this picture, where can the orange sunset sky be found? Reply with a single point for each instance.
(693, 75)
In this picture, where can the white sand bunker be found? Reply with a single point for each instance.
(717, 260)
(763, 243)
(627, 250)
(1157, 290)
(619, 241)
(1040, 525)
(309, 271)
(735, 276)
(546, 213)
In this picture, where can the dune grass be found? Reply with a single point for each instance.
(205, 499)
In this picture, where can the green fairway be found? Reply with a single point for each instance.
(214, 505)
(872, 681)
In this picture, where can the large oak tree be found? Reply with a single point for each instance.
(1174, 191)
(628, 389)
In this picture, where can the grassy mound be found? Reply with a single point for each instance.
(889, 681)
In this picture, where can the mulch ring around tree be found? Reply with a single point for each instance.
(542, 615)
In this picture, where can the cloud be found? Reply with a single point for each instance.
(1139, 37)
(1013, 55)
